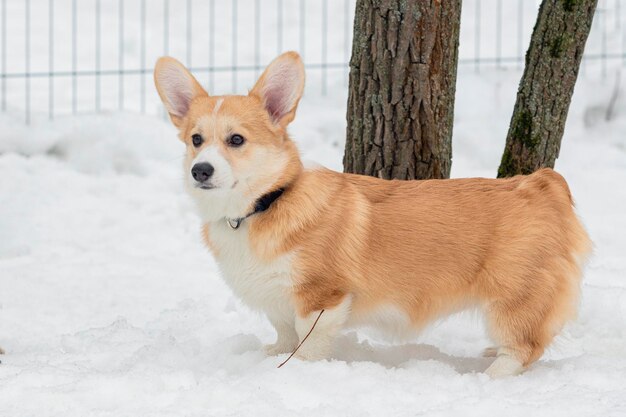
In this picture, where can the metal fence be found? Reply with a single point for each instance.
(66, 57)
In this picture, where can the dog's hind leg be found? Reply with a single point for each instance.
(520, 326)
(524, 326)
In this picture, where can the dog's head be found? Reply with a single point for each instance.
(237, 146)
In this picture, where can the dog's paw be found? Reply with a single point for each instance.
(1, 351)
(305, 356)
(311, 354)
(278, 348)
(504, 366)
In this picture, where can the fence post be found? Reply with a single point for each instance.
(51, 59)
(4, 55)
(27, 61)
(324, 44)
(120, 49)
(142, 58)
(74, 60)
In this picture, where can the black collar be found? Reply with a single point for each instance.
(263, 203)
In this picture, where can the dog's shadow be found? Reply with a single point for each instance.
(349, 349)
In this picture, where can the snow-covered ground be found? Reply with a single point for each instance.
(111, 306)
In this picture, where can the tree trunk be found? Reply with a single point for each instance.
(546, 88)
(402, 85)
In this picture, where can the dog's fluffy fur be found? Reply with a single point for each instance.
(368, 250)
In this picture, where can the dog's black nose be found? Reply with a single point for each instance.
(202, 171)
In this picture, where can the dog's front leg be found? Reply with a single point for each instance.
(286, 339)
(319, 343)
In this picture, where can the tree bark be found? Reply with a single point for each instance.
(402, 85)
(545, 91)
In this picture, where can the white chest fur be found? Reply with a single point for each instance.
(261, 285)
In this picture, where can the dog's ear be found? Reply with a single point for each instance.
(176, 87)
(280, 87)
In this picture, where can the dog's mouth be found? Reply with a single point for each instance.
(205, 186)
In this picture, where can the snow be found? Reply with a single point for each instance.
(111, 306)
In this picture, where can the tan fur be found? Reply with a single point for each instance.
(513, 247)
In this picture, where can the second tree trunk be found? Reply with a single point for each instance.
(545, 92)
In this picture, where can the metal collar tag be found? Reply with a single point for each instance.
(234, 223)
(260, 205)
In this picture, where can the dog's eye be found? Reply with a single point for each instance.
(236, 140)
(196, 140)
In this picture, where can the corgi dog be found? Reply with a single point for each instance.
(292, 242)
